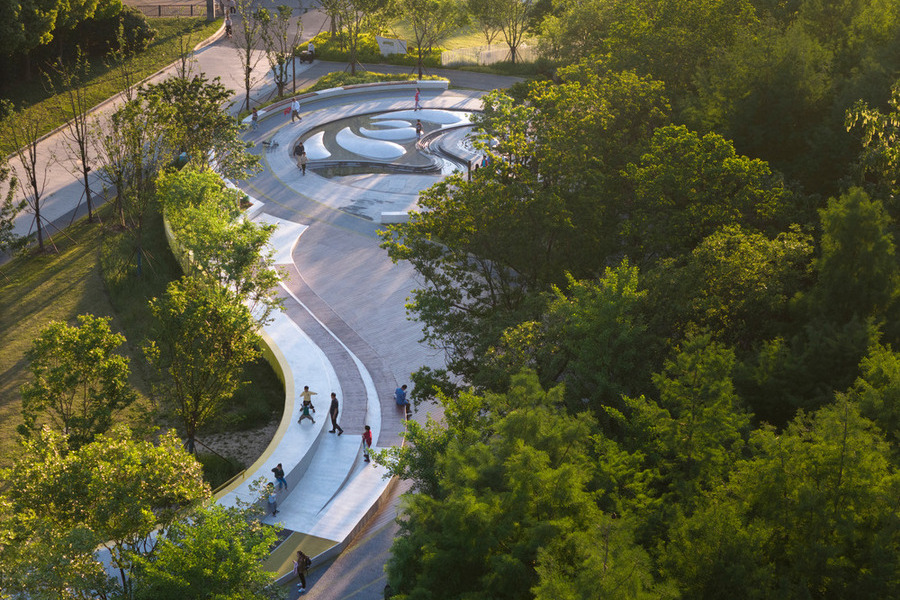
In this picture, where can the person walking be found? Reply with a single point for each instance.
(273, 500)
(417, 107)
(366, 443)
(228, 28)
(333, 413)
(254, 120)
(307, 395)
(301, 568)
(419, 129)
(279, 476)
(303, 160)
(295, 110)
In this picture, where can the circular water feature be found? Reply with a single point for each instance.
(386, 143)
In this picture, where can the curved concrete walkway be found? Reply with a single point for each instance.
(344, 327)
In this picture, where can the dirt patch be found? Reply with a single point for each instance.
(243, 446)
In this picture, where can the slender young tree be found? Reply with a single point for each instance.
(71, 79)
(22, 132)
(9, 209)
(514, 20)
(248, 37)
(487, 14)
(280, 42)
(358, 17)
(432, 22)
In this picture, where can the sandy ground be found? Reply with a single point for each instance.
(244, 446)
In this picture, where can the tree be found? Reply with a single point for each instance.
(116, 493)
(358, 17)
(551, 158)
(9, 209)
(132, 147)
(857, 270)
(22, 131)
(813, 512)
(226, 249)
(487, 14)
(72, 81)
(249, 35)
(880, 157)
(193, 122)
(737, 284)
(701, 423)
(432, 21)
(591, 337)
(514, 18)
(279, 42)
(77, 381)
(218, 548)
(877, 391)
(203, 337)
(501, 499)
(687, 186)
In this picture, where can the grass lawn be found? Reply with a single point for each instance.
(467, 36)
(39, 288)
(33, 96)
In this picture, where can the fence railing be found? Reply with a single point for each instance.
(172, 10)
(486, 55)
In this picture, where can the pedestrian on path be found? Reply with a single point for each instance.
(417, 107)
(303, 160)
(367, 442)
(301, 568)
(279, 476)
(228, 28)
(273, 501)
(295, 110)
(311, 49)
(418, 130)
(307, 395)
(333, 413)
(254, 120)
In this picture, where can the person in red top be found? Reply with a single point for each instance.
(367, 442)
(418, 106)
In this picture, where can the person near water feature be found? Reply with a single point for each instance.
(418, 129)
(418, 106)
(295, 111)
(303, 160)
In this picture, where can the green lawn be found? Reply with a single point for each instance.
(33, 96)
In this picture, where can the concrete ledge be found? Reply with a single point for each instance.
(394, 217)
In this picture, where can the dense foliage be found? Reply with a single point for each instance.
(669, 308)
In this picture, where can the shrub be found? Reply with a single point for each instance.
(100, 33)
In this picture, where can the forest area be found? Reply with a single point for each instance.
(669, 306)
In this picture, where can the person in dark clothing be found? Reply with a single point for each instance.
(301, 567)
(333, 413)
(279, 476)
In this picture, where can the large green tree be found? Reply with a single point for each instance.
(190, 113)
(224, 248)
(513, 500)
(116, 494)
(552, 157)
(78, 382)
(203, 336)
(218, 552)
(686, 186)
(812, 514)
